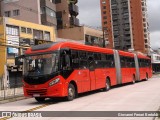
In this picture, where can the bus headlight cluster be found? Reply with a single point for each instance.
(54, 81)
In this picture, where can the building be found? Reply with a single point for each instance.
(62, 14)
(67, 11)
(125, 24)
(46, 12)
(83, 35)
(15, 37)
(37, 11)
(155, 62)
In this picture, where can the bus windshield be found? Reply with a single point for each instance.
(43, 64)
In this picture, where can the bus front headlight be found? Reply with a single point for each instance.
(53, 82)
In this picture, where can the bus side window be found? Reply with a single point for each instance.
(103, 62)
(91, 63)
(122, 60)
(97, 59)
(75, 59)
(139, 62)
(112, 61)
(129, 62)
(133, 62)
(83, 64)
(109, 61)
(66, 60)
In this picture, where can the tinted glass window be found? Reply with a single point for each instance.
(75, 59)
(127, 62)
(83, 63)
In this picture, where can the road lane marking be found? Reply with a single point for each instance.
(29, 110)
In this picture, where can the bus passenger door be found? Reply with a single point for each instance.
(92, 74)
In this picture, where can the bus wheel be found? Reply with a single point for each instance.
(71, 92)
(146, 76)
(134, 79)
(108, 85)
(40, 99)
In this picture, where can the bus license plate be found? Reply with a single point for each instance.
(36, 95)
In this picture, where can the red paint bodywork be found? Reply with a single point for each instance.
(85, 80)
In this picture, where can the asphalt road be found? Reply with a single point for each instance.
(141, 96)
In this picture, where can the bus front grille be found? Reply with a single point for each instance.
(40, 92)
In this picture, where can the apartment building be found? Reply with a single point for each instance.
(67, 12)
(83, 34)
(125, 24)
(35, 11)
(58, 13)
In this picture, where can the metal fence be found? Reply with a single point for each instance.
(14, 89)
(10, 93)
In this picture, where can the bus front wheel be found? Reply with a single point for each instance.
(40, 99)
(71, 92)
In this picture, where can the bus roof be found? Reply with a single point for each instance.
(142, 56)
(77, 46)
(60, 45)
(123, 53)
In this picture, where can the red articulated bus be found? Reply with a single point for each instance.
(65, 69)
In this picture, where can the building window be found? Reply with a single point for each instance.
(48, 11)
(12, 30)
(12, 33)
(16, 12)
(104, 7)
(7, 13)
(47, 36)
(144, 20)
(146, 46)
(105, 22)
(53, 1)
(104, 17)
(9, 1)
(29, 31)
(104, 12)
(146, 41)
(23, 29)
(145, 30)
(57, 1)
(87, 39)
(37, 34)
(103, 2)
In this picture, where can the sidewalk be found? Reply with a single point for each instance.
(10, 95)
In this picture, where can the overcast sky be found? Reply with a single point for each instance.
(90, 15)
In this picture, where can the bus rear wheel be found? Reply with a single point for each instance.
(40, 99)
(71, 92)
(108, 85)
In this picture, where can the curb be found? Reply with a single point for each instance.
(12, 99)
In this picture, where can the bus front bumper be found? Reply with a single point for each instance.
(50, 91)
